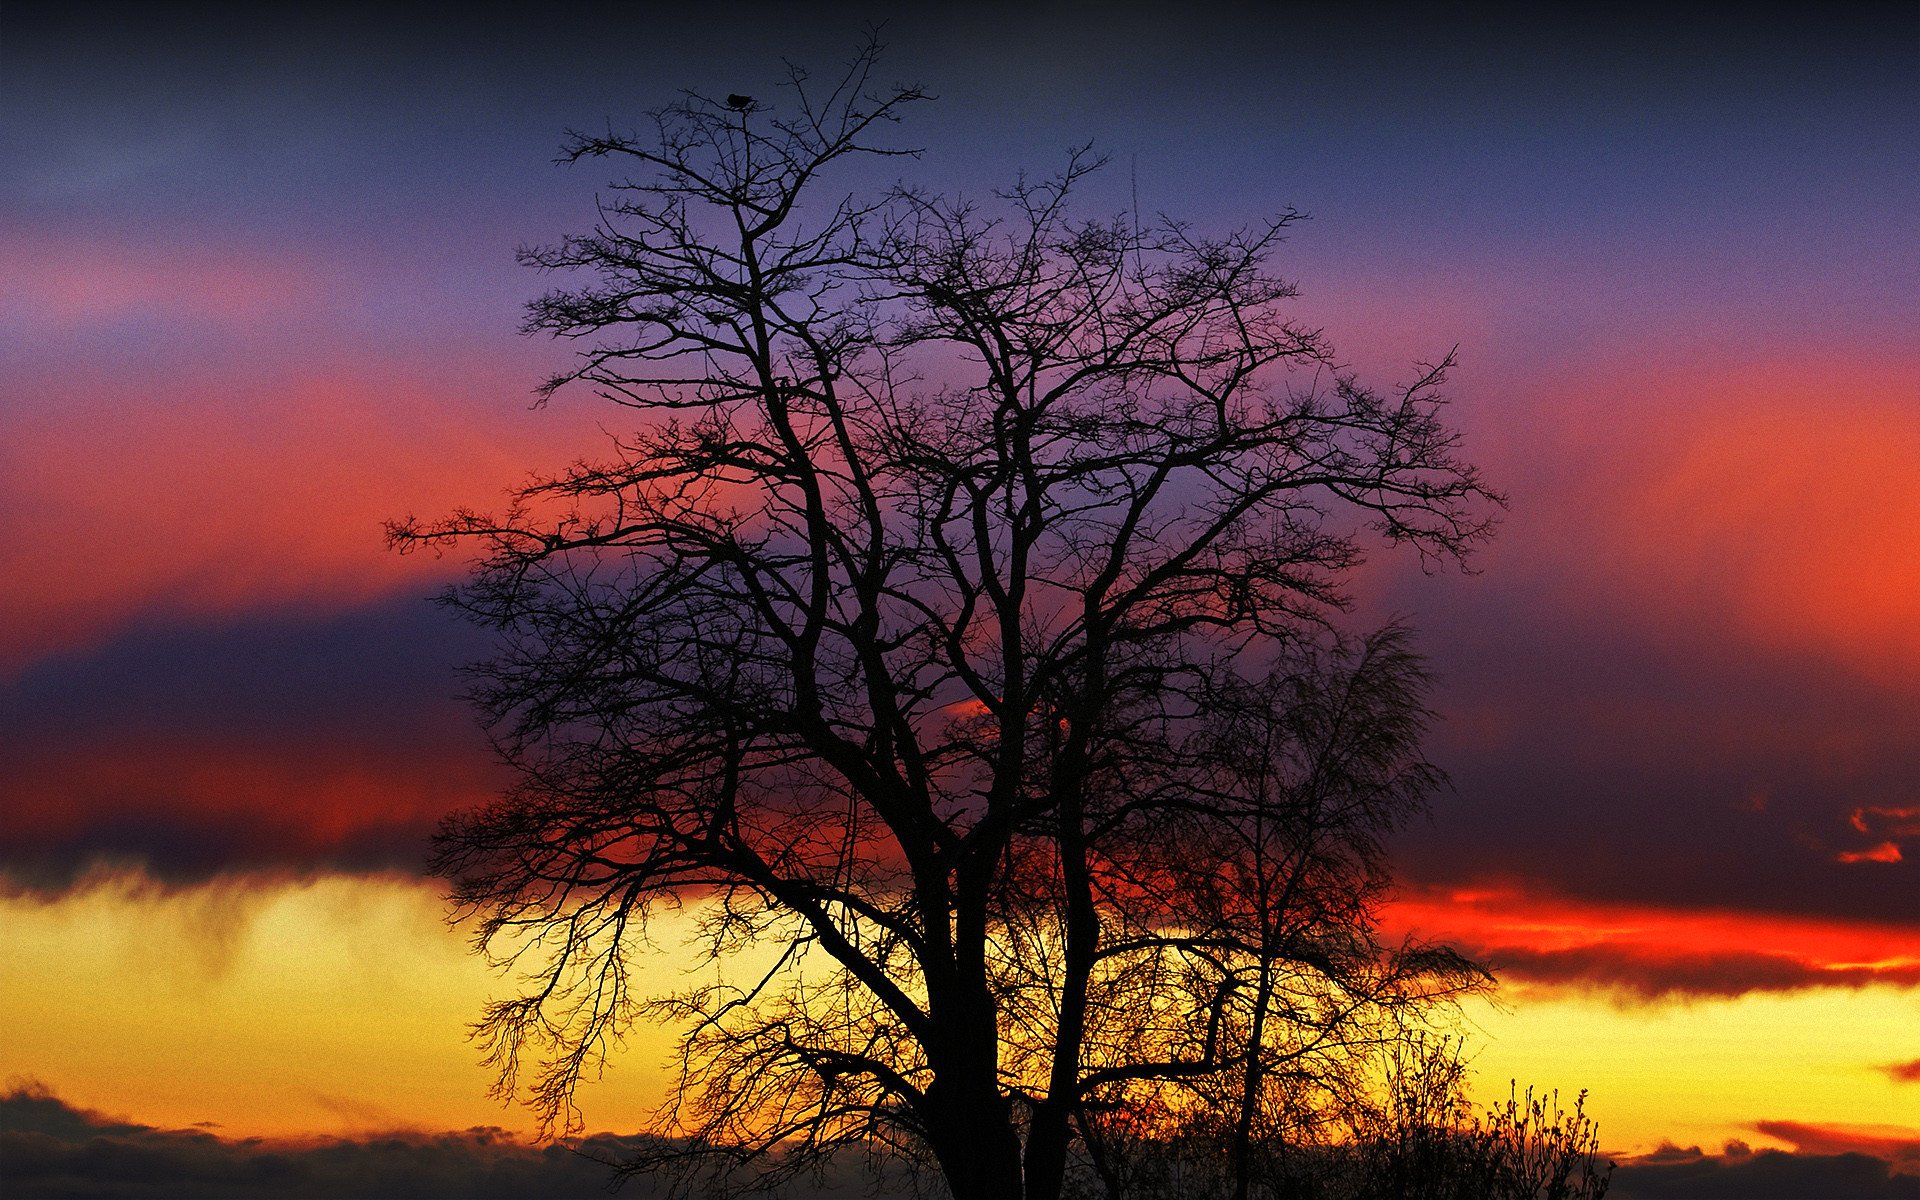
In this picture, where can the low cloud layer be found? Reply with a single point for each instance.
(49, 1148)
(1652, 976)
(295, 744)
(1824, 1162)
(298, 742)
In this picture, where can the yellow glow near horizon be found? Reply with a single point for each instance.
(1702, 1072)
(336, 1006)
(340, 1005)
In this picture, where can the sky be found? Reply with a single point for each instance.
(259, 295)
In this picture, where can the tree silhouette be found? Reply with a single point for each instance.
(952, 636)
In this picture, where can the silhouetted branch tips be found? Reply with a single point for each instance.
(993, 736)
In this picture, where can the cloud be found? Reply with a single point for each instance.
(1895, 824)
(49, 1148)
(1652, 976)
(29, 1106)
(1645, 952)
(1689, 662)
(1895, 1144)
(1885, 852)
(1765, 499)
(1903, 1072)
(1740, 1173)
(297, 743)
(191, 812)
(1902, 821)
(1596, 755)
(221, 490)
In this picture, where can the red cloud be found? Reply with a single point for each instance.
(1900, 822)
(1890, 824)
(1775, 500)
(1647, 953)
(193, 810)
(1885, 852)
(1651, 974)
(1906, 1072)
(207, 498)
(1894, 1144)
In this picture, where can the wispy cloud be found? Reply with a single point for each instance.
(1897, 1145)
(1643, 952)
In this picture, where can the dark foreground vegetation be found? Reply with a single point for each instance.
(1423, 1143)
(50, 1150)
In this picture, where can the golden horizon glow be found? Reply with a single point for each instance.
(337, 1006)
(331, 1006)
(1706, 1072)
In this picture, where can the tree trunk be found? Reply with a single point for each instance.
(1046, 1158)
(975, 1143)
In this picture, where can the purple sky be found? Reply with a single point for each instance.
(257, 293)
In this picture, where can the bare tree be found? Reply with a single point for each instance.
(912, 640)
(1271, 870)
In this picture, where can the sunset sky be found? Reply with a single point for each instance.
(257, 294)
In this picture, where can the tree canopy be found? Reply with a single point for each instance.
(955, 630)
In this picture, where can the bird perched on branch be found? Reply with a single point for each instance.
(739, 103)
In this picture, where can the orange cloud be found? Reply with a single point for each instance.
(1903, 822)
(1775, 498)
(1644, 952)
(1893, 1144)
(198, 499)
(1904, 1072)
